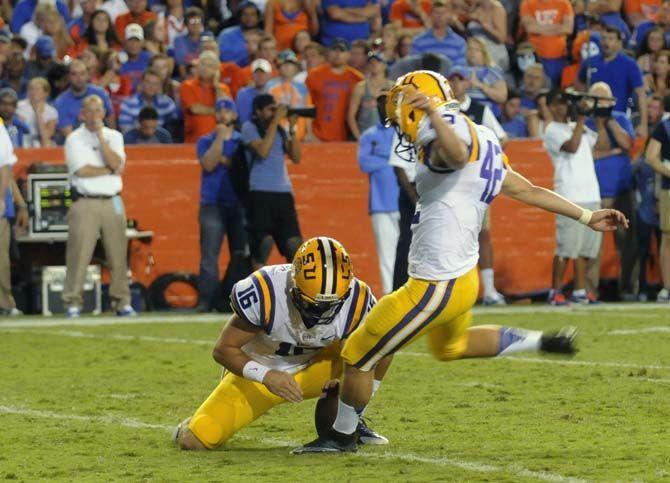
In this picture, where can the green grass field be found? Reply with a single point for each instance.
(97, 401)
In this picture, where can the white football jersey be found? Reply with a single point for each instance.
(452, 203)
(263, 299)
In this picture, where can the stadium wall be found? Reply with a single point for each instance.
(161, 191)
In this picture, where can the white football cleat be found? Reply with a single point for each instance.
(495, 298)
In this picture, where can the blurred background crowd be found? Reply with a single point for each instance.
(335, 54)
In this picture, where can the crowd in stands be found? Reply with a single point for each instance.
(179, 56)
(162, 66)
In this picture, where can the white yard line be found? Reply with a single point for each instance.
(655, 381)
(122, 337)
(208, 343)
(586, 363)
(149, 318)
(560, 362)
(642, 330)
(194, 318)
(408, 457)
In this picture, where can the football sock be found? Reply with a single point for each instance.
(487, 282)
(579, 293)
(375, 385)
(346, 420)
(518, 340)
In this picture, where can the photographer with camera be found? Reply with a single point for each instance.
(271, 207)
(615, 177)
(570, 145)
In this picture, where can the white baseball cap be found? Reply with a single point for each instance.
(134, 31)
(261, 64)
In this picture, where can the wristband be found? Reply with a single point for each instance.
(585, 219)
(254, 371)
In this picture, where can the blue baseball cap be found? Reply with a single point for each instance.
(225, 103)
(45, 47)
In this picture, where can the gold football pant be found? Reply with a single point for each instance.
(442, 310)
(237, 402)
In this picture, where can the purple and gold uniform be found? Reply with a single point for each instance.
(285, 343)
(443, 282)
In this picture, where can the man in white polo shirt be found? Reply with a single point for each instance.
(95, 158)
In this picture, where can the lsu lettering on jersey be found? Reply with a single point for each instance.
(286, 344)
(452, 203)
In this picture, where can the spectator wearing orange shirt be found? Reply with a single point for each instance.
(285, 18)
(100, 33)
(77, 26)
(330, 86)
(137, 13)
(638, 11)
(199, 95)
(411, 16)
(229, 72)
(548, 23)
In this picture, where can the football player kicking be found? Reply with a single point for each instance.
(461, 170)
(283, 342)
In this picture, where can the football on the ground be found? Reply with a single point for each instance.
(326, 409)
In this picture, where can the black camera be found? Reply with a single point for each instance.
(585, 104)
(302, 112)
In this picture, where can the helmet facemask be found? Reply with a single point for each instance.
(316, 313)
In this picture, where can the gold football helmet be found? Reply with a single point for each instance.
(403, 116)
(322, 278)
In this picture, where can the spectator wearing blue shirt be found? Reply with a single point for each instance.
(148, 94)
(68, 103)
(23, 13)
(16, 128)
(511, 120)
(533, 84)
(488, 85)
(662, 20)
(148, 131)
(271, 206)
(187, 46)
(232, 40)
(221, 212)
(647, 220)
(620, 72)
(441, 39)
(138, 58)
(348, 19)
(261, 72)
(374, 151)
(615, 178)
